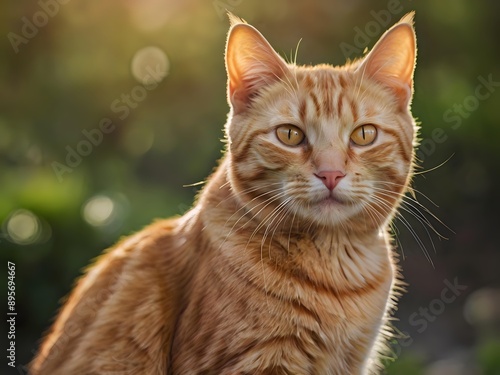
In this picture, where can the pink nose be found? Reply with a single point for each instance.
(330, 178)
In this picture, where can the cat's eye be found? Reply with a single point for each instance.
(364, 135)
(290, 135)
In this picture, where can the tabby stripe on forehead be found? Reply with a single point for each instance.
(340, 103)
(308, 82)
(354, 109)
(328, 87)
(315, 101)
(342, 81)
(303, 111)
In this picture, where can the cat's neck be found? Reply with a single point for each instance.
(331, 257)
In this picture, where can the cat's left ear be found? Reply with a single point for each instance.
(251, 64)
(392, 60)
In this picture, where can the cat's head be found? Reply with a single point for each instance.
(331, 146)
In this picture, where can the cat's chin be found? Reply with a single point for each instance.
(331, 200)
(331, 210)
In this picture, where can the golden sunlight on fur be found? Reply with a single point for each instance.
(284, 265)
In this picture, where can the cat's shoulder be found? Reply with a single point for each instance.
(124, 309)
(159, 239)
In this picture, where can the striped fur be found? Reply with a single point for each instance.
(271, 272)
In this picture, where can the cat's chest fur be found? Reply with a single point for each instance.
(300, 301)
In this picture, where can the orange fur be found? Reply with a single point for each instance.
(274, 270)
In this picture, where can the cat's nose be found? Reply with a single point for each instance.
(330, 178)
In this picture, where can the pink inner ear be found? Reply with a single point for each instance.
(251, 64)
(392, 61)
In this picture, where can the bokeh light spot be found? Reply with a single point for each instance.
(99, 210)
(138, 141)
(151, 15)
(483, 307)
(150, 65)
(23, 227)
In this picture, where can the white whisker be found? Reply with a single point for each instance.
(381, 202)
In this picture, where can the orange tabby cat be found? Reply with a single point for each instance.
(284, 265)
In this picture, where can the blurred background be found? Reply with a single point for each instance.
(108, 108)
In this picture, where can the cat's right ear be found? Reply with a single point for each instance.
(251, 64)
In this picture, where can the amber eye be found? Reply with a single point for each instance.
(290, 135)
(364, 135)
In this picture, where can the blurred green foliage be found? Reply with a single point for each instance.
(407, 365)
(489, 358)
(76, 71)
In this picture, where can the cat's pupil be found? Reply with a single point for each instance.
(363, 131)
(289, 133)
